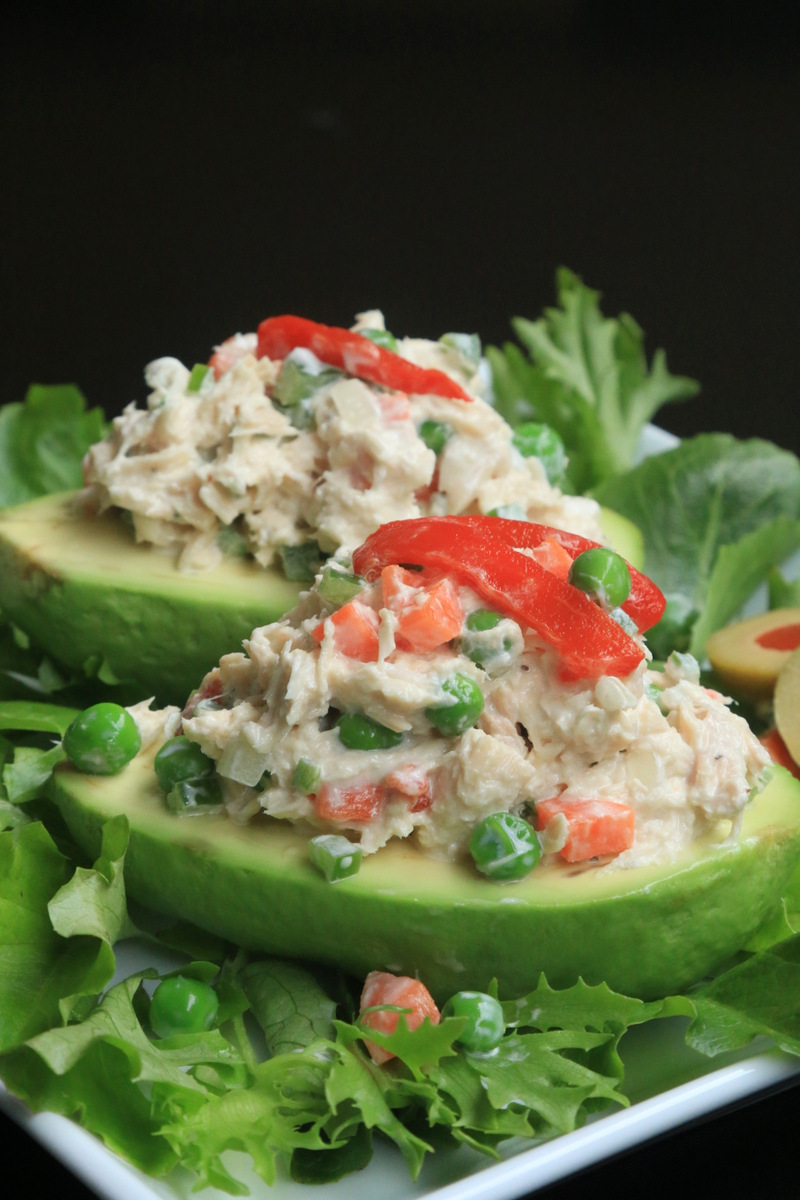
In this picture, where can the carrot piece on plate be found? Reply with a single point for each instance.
(400, 991)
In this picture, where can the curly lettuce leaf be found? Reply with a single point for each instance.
(586, 376)
(43, 441)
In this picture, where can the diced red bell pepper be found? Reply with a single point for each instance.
(355, 354)
(595, 827)
(480, 551)
(399, 991)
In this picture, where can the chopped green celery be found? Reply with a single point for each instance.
(335, 856)
(337, 587)
(435, 434)
(381, 337)
(302, 562)
(231, 541)
(467, 346)
(306, 777)
(193, 795)
(197, 376)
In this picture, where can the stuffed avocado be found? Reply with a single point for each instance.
(207, 509)
(525, 794)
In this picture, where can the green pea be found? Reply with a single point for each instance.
(534, 440)
(181, 1005)
(381, 337)
(359, 732)
(102, 739)
(603, 574)
(504, 847)
(306, 777)
(193, 795)
(485, 1023)
(481, 619)
(460, 714)
(435, 434)
(335, 856)
(180, 759)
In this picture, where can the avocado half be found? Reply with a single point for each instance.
(88, 594)
(649, 932)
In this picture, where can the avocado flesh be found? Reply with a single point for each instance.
(85, 591)
(649, 931)
(623, 536)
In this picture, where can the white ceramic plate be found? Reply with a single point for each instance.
(668, 1084)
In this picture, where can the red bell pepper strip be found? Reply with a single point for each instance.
(480, 551)
(355, 354)
(645, 604)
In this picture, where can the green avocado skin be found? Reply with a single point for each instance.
(89, 596)
(647, 932)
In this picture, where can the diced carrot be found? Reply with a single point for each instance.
(594, 826)
(551, 555)
(349, 801)
(380, 987)
(428, 611)
(412, 782)
(779, 751)
(355, 631)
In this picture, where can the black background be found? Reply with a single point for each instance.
(174, 172)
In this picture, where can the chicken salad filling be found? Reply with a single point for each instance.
(398, 704)
(290, 460)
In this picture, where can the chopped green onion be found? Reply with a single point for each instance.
(337, 587)
(335, 856)
(302, 562)
(435, 434)
(306, 777)
(231, 541)
(466, 345)
(196, 376)
(381, 337)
